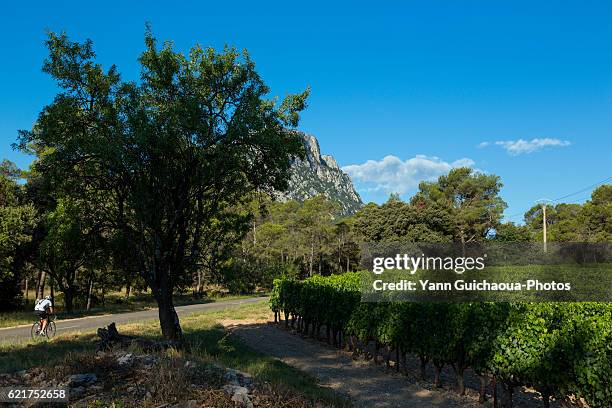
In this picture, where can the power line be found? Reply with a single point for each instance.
(578, 200)
(583, 189)
(566, 196)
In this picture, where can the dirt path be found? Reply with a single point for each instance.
(366, 383)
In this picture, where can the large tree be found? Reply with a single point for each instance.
(398, 221)
(164, 157)
(470, 198)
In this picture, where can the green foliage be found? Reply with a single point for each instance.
(71, 245)
(462, 206)
(321, 300)
(167, 156)
(593, 373)
(17, 222)
(397, 221)
(510, 232)
(243, 276)
(589, 222)
(304, 237)
(470, 199)
(557, 348)
(598, 214)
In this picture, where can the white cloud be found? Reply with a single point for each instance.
(393, 175)
(521, 146)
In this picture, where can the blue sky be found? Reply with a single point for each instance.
(522, 90)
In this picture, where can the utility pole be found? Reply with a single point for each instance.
(544, 202)
(544, 225)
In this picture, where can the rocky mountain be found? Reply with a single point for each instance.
(320, 174)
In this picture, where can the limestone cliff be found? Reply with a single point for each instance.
(320, 174)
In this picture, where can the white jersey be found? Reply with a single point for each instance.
(42, 305)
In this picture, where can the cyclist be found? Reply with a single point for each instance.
(43, 308)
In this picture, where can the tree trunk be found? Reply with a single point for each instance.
(199, 284)
(26, 290)
(168, 319)
(483, 389)
(388, 357)
(397, 359)
(546, 399)
(376, 350)
(460, 381)
(52, 291)
(438, 371)
(422, 367)
(69, 299)
(89, 292)
(507, 400)
(254, 234)
(128, 287)
(311, 257)
(494, 384)
(40, 286)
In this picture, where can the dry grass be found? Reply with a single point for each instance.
(167, 381)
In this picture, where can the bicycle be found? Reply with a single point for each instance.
(50, 330)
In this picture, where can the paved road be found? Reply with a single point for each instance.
(93, 322)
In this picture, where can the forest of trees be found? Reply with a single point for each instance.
(164, 185)
(260, 239)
